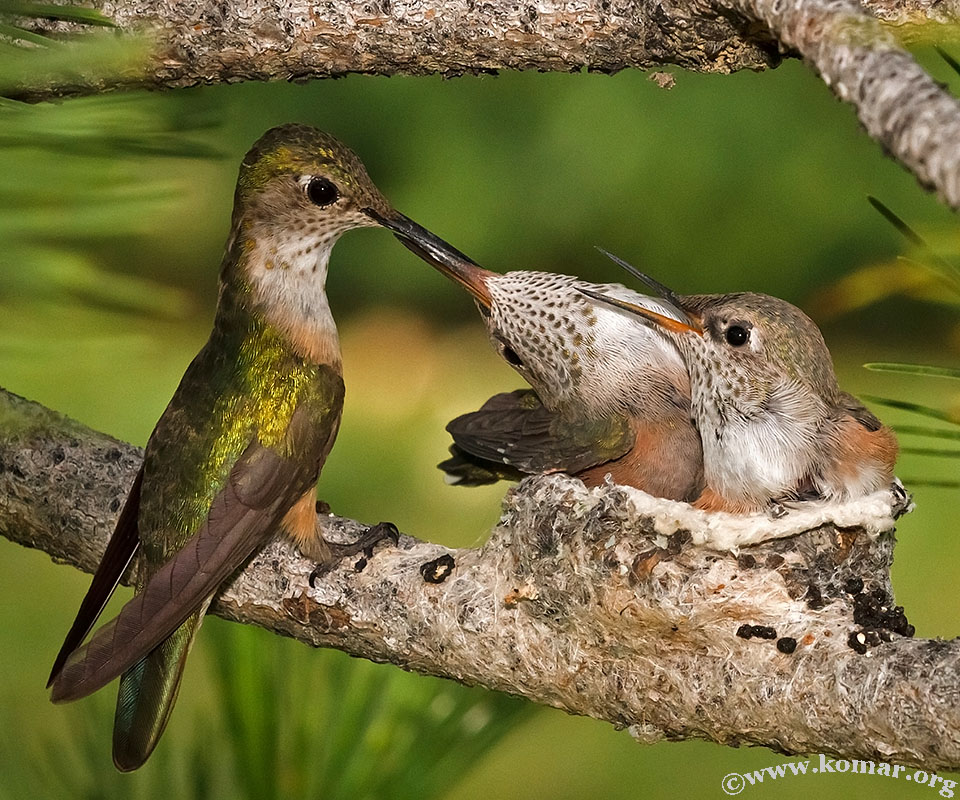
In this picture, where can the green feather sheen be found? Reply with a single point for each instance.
(244, 384)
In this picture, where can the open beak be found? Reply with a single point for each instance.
(436, 252)
(668, 323)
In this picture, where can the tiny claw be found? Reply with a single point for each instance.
(316, 573)
(375, 534)
(383, 530)
(364, 545)
(778, 510)
(903, 501)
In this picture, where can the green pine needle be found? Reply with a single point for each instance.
(71, 13)
(931, 260)
(927, 430)
(916, 408)
(22, 35)
(310, 723)
(914, 369)
(951, 61)
(928, 483)
(940, 452)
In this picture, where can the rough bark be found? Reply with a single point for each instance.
(603, 602)
(200, 42)
(910, 15)
(857, 54)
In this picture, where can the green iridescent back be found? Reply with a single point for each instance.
(245, 384)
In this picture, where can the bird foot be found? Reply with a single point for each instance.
(903, 502)
(334, 551)
(778, 509)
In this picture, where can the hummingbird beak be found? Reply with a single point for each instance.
(440, 255)
(652, 283)
(668, 323)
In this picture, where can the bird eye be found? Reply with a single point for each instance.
(511, 357)
(322, 191)
(737, 335)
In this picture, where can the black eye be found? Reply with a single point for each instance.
(511, 357)
(737, 335)
(322, 192)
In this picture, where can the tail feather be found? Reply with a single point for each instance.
(464, 469)
(121, 549)
(148, 692)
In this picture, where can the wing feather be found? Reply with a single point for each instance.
(261, 488)
(517, 430)
(121, 549)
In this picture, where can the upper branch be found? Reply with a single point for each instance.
(862, 61)
(855, 52)
(603, 602)
(290, 39)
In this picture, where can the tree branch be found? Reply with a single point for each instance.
(912, 15)
(857, 54)
(603, 602)
(861, 60)
(289, 40)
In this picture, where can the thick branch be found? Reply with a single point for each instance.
(288, 39)
(603, 602)
(914, 13)
(909, 114)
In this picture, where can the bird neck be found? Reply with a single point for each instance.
(281, 280)
(758, 451)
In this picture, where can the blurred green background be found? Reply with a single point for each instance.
(114, 214)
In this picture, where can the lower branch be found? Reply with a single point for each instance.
(603, 602)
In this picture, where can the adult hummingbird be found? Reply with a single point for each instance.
(238, 451)
(774, 423)
(610, 395)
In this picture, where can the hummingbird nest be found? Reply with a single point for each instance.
(674, 623)
(693, 597)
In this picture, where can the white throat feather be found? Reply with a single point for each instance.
(288, 281)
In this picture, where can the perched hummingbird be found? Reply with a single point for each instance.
(774, 423)
(610, 395)
(237, 453)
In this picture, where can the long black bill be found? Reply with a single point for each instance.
(440, 255)
(650, 282)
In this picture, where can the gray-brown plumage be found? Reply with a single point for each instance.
(774, 423)
(610, 394)
(238, 451)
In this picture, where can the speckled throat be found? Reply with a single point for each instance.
(759, 433)
(285, 277)
(580, 355)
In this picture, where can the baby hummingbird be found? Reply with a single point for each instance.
(610, 394)
(238, 451)
(774, 423)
